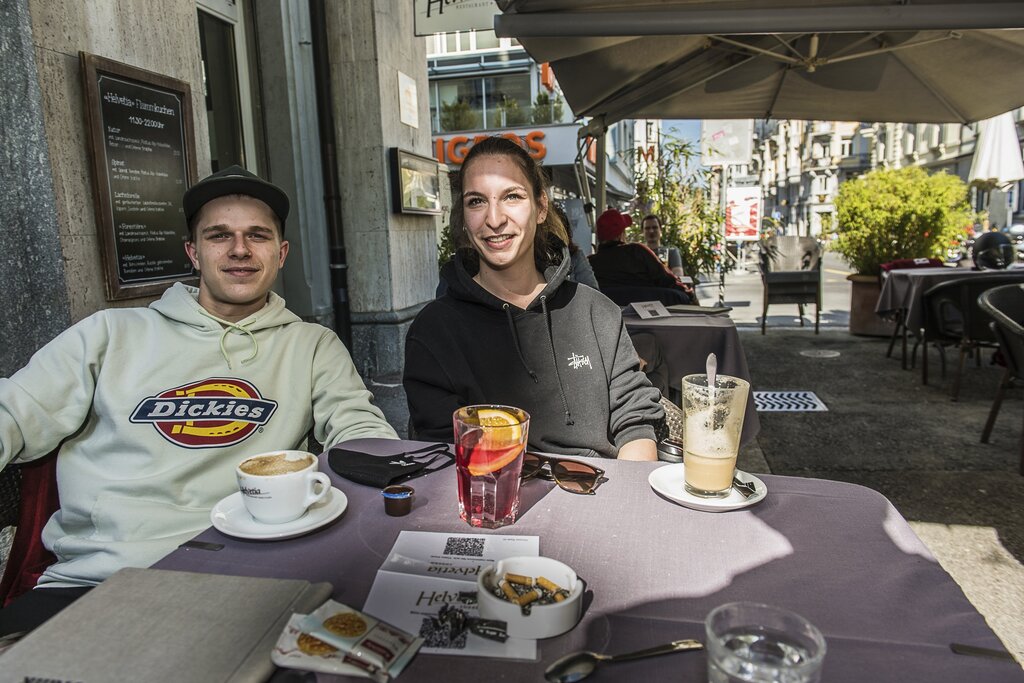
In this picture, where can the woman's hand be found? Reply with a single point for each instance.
(641, 449)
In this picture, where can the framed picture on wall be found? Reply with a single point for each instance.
(415, 187)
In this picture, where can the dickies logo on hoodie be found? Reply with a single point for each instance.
(210, 413)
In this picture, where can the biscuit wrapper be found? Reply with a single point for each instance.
(287, 653)
(380, 649)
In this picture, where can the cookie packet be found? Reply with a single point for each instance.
(379, 650)
(297, 650)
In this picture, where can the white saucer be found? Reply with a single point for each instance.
(230, 517)
(668, 481)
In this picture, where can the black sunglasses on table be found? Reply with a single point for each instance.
(570, 475)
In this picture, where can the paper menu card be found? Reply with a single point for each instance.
(427, 570)
(650, 309)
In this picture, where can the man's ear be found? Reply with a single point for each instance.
(190, 250)
(283, 253)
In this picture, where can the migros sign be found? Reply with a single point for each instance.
(452, 150)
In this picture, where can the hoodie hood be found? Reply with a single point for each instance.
(180, 303)
(458, 273)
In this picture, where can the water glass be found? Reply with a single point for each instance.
(752, 643)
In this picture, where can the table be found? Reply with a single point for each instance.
(903, 293)
(903, 290)
(837, 553)
(687, 339)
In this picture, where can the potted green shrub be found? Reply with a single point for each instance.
(892, 214)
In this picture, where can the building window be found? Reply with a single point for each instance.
(220, 82)
(480, 103)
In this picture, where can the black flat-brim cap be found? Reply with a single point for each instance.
(235, 180)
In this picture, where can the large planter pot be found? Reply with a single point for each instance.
(864, 291)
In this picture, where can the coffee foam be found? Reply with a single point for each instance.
(270, 465)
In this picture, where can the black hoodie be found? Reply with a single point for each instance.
(566, 360)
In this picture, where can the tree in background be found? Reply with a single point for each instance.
(676, 190)
(459, 115)
(514, 115)
(892, 214)
(546, 110)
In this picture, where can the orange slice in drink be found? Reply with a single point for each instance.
(485, 460)
(500, 444)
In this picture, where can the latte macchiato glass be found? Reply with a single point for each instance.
(711, 433)
(279, 487)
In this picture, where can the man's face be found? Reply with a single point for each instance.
(652, 232)
(237, 250)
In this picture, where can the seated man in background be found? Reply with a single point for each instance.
(621, 264)
(152, 408)
(651, 225)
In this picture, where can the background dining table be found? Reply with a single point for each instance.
(903, 291)
(686, 339)
(836, 553)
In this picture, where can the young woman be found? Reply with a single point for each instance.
(512, 330)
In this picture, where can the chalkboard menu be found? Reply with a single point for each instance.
(143, 160)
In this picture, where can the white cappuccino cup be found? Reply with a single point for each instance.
(280, 486)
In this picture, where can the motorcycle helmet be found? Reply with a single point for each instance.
(993, 250)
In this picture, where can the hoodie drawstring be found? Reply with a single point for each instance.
(515, 341)
(554, 357)
(228, 326)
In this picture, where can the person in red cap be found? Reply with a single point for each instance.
(626, 264)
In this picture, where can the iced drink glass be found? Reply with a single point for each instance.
(711, 432)
(489, 445)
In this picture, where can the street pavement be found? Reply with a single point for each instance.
(884, 430)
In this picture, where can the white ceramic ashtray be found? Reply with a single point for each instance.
(550, 613)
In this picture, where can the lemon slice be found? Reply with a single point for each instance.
(503, 426)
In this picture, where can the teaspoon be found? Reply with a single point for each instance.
(578, 665)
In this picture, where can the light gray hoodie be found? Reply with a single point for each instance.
(156, 406)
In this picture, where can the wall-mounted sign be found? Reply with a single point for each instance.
(452, 150)
(415, 186)
(143, 158)
(408, 103)
(444, 16)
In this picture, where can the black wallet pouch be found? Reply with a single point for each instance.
(385, 470)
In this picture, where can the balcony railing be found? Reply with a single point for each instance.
(463, 117)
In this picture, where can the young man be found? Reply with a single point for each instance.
(151, 409)
(618, 263)
(651, 226)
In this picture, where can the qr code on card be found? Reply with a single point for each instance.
(465, 547)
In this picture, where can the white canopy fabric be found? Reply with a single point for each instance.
(865, 60)
(997, 157)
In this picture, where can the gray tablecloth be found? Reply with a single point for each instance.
(837, 553)
(686, 341)
(904, 290)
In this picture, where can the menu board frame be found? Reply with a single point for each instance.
(415, 186)
(121, 284)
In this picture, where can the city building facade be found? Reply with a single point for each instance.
(801, 165)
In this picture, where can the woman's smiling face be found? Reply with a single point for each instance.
(500, 211)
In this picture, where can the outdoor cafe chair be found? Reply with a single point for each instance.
(37, 502)
(1005, 304)
(791, 274)
(953, 317)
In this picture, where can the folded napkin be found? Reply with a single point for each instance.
(384, 470)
